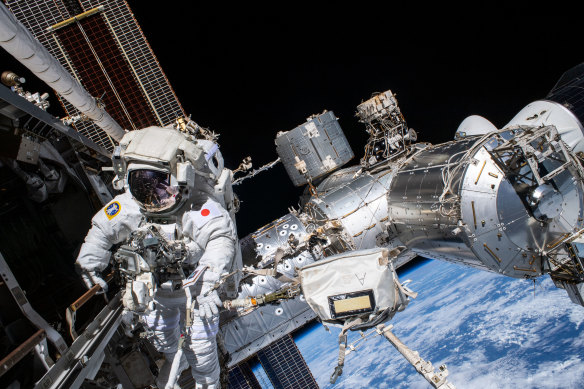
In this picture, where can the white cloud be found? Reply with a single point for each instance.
(490, 330)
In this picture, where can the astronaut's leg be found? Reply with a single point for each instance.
(164, 322)
(164, 371)
(202, 352)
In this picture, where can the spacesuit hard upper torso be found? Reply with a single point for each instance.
(207, 223)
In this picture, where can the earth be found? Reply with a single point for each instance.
(490, 330)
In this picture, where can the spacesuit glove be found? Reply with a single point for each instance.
(208, 299)
(208, 305)
(91, 278)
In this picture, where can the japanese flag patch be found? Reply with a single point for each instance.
(207, 212)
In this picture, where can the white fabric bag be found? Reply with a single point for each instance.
(355, 290)
(357, 283)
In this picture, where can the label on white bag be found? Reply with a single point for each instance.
(349, 304)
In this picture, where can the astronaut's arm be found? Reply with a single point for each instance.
(112, 225)
(94, 256)
(218, 254)
(95, 252)
(217, 238)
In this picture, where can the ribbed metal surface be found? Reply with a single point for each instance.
(337, 179)
(360, 205)
(414, 206)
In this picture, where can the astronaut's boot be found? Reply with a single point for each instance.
(164, 370)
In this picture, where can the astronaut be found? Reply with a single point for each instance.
(176, 194)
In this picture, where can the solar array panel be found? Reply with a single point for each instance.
(569, 91)
(285, 365)
(108, 53)
(141, 58)
(242, 377)
(93, 51)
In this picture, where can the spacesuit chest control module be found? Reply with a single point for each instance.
(176, 241)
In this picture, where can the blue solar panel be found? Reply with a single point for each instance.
(285, 365)
(242, 377)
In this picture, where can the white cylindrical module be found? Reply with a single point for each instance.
(20, 43)
(474, 125)
(313, 149)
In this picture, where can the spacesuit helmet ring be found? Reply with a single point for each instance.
(153, 189)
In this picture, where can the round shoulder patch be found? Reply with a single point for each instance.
(112, 209)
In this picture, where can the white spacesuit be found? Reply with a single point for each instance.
(176, 190)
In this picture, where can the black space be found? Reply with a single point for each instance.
(249, 71)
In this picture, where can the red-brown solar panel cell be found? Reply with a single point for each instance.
(94, 53)
(133, 57)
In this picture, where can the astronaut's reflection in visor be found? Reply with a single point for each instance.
(152, 189)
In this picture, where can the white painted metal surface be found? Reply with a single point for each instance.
(543, 113)
(474, 125)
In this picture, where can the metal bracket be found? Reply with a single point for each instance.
(54, 337)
